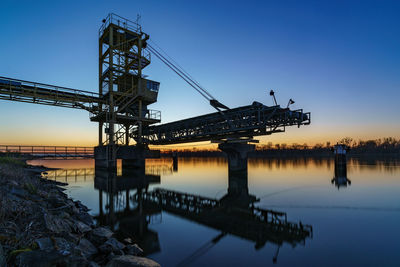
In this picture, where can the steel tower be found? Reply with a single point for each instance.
(122, 85)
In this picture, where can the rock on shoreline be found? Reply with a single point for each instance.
(41, 226)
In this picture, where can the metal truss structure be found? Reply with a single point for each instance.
(45, 94)
(121, 105)
(126, 93)
(241, 122)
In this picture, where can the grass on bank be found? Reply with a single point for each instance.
(12, 161)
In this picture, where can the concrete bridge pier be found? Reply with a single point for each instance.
(340, 177)
(175, 161)
(104, 158)
(238, 192)
(133, 161)
(133, 164)
(133, 157)
(237, 154)
(340, 152)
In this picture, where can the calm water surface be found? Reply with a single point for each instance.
(355, 223)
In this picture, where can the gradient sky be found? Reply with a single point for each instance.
(340, 60)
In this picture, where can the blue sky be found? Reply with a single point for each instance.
(338, 59)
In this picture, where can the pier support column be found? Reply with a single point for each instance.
(238, 192)
(340, 155)
(134, 164)
(133, 167)
(104, 158)
(340, 179)
(175, 162)
(237, 155)
(133, 160)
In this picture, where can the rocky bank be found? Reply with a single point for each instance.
(41, 226)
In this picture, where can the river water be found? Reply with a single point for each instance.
(355, 215)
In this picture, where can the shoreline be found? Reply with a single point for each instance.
(41, 226)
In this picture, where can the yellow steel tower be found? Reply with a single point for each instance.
(122, 58)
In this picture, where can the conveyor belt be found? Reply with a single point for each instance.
(39, 93)
(247, 121)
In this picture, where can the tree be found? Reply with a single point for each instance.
(348, 141)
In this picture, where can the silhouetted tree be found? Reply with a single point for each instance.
(348, 141)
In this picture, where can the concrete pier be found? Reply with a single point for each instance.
(340, 152)
(237, 154)
(133, 157)
(104, 157)
(238, 192)
(134, 164)
(340, 176)
(175, 162)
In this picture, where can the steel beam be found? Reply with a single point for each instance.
(247, 121)
(45, 94)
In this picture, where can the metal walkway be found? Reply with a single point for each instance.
(242, 122)
(45, 94)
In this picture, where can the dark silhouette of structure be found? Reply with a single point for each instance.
(121, 105)
(234, 213)
(340, 179)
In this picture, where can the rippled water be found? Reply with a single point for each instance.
(355, 222)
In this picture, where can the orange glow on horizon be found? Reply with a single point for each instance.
(304, 135)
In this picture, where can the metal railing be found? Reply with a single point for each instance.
(153, 114)
(121, 22)
(149, 114)
(59, 89)
(60, 152)
(40, 93)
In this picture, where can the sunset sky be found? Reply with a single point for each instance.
(340, 60)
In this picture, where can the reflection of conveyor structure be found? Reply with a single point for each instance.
(233, 214)
(72, 175)
(252, 223)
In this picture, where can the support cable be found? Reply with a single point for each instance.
(182, 69)
(187, 78)
(182, 72)
(159, 56)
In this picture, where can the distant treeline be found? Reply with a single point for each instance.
(389, 145)
(382, 145)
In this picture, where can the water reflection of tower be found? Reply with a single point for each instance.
(125, 212)
(340, 178)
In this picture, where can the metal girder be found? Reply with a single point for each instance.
(151, 117)
(247, 121)
(45, 94)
